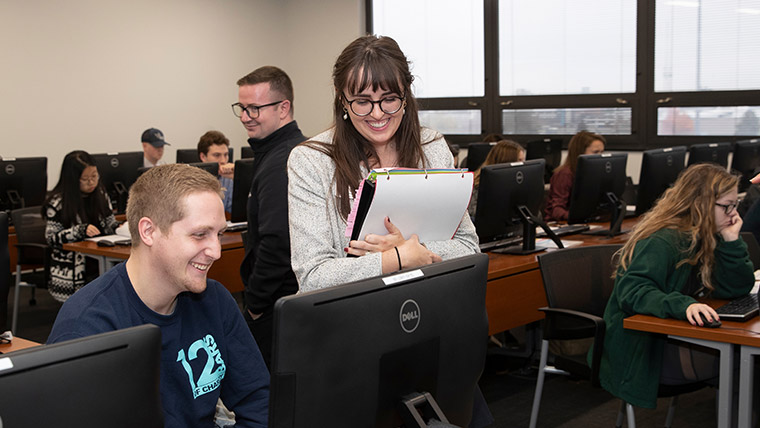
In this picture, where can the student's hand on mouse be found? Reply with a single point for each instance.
(227, 170)
(731, 232)
(377, 243)
(92, 231)
(693, 311)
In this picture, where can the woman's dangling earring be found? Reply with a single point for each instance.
(403, 112)
(345, 114)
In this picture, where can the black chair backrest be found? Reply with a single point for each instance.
(753, 247)
(579, 278)
(30, 229)
(5, 271)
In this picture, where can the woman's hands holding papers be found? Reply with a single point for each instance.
(410, 252)
(377, 243)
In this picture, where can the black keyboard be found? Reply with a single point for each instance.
(739, 309)
(568, 229)
(502, 243)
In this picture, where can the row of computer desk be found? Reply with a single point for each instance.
(514, 294)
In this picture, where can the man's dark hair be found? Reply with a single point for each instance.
(209, 139)
(278, 81)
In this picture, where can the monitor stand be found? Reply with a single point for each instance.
(616, 218)
(121, 197)
(529, 222)
(15, 200)
(418, 409)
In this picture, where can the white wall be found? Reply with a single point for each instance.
(93, 74)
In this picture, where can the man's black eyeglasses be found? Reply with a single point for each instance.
(252, 111)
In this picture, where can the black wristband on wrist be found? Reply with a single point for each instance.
(398, 256)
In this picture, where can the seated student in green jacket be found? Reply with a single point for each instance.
(687, 246)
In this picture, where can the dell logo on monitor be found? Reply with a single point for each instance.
(519, 177)
(409, 316)
(115, 162)
(10, 169)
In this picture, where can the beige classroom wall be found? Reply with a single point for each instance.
(93, 74)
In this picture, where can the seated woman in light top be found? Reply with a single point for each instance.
(686, 246)
(504, 151)
(376, 126)
(77, 208)
(561, 183)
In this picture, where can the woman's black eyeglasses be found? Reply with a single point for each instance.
(363, 107)
(729, 208)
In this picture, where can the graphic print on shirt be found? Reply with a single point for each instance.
(214, 370)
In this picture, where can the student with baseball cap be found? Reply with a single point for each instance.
(153, 143)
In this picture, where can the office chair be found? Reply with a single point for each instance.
(33, 254)
(5, 271)
(576, 305)
(752, 247)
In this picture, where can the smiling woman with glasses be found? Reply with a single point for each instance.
(75, 209)
(687, 245)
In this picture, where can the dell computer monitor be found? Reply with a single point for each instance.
(107, 380)
(710, 152)
(191, 155)
(549, 149)
(210, 167)
(746, 161)
(23, 182)
(659, 170)
(246, 152)
(510, 195)
(118, 171)
(477, 153)
(598, 185)
(241, 186)
(347, 356)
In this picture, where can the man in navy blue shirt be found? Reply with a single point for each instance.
(176, 219)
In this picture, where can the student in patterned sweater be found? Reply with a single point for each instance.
(77, 208)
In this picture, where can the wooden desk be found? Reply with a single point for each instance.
(225, 270)
(17, 344)
(725, 339)
(515, 289)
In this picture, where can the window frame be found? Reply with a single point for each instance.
(644, 102)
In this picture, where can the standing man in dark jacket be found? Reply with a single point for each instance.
(265, 107)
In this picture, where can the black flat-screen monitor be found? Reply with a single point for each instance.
(23, 182)
(246, 152)
(118, 171)
(746, 160)
(477, 153)
(597, 189)
(241, 186)
(510, 195)
(191, 155)
(659, 170)
(709, 152)
(549, 149)
(210, 167)
(110, 379)
(347, 356)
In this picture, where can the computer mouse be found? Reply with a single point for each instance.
(709, 324)
(105, 243)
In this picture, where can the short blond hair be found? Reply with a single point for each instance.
(159, 194)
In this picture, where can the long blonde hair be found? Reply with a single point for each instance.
(688, 207)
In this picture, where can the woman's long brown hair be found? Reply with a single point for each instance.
(370, 62)
(688, 207)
